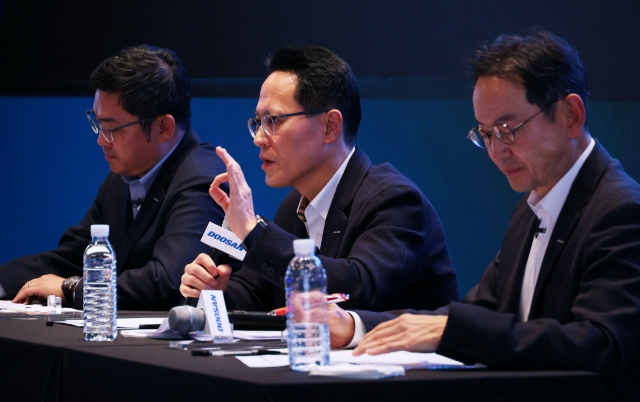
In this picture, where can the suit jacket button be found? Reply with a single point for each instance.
(270, 271)
(263, 266)
(282, 280)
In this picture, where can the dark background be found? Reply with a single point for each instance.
(408, 57)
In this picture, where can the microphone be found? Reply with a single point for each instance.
(185, 319)
(218, 257)
(539, 230)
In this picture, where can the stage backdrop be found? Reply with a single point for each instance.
(408, 56)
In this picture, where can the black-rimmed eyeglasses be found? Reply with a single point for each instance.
(268, 122)
(502, 132)
(107, 133)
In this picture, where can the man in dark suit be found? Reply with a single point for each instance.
(564, 291)
(379, 238)
(155, 199)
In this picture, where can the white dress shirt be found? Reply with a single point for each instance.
(547, 209)
(317, 210)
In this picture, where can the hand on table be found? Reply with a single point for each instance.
(341, 326)
(40, 288)
(410, 332)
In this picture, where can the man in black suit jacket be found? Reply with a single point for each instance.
(379, 238)
(156, 159)
(564, 291)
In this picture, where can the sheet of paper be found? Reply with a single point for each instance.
(346, 370)
(259, 335)
(265, 361)
(7, 305)
(406, 359)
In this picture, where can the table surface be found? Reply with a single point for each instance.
(54, 363)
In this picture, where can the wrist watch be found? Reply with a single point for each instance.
(68, 287)
(261, 222)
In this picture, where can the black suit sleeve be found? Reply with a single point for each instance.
(385, 257)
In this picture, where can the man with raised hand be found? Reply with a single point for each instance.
(378, 237)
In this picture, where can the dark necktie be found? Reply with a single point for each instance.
(303, 205)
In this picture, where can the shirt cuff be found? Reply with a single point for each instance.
(359, 332)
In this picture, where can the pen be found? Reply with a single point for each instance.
(254, 352)
(334, 298)
(149, 326)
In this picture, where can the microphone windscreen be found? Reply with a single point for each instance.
(185, 319)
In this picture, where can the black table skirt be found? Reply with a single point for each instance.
(40, 363)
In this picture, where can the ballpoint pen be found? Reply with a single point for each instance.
(333, 298)
(243, 352)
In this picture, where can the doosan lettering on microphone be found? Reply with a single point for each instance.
(224, 240)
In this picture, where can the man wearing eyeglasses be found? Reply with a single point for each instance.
(564, 291)
(379, 238)
(155, 199)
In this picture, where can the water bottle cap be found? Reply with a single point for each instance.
(304, 246)
(99, 230)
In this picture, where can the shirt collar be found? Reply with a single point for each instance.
(150, 176)
(553, 202)
(322, 201)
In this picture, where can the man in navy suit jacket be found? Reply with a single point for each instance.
(379, 238)
(155, 199)
(564, 290)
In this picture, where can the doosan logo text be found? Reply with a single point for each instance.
(224, 240)
(216, 313)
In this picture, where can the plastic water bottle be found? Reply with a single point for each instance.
(307, 325)
(100, 287)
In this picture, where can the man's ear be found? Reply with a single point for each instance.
(166, 126)
(574, 113)
(333, 130)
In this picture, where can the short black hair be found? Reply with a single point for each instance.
(547, 65)
(151, 81)
(325, 81)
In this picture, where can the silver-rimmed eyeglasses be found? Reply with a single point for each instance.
(502, 132)
(268, 122)
(107, 133)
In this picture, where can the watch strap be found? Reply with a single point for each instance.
(68, 286)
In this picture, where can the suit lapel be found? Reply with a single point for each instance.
(581, 191)
(155, 196)
(338, 215)
(518, 239)
(118, 228)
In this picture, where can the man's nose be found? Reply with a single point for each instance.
(101, 140)
(498, 149)
(261, 137)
